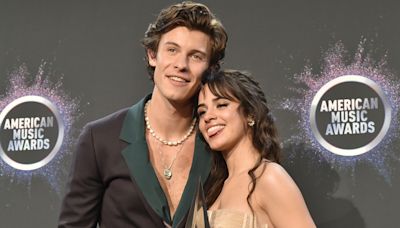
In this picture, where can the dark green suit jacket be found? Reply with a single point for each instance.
(112, 182)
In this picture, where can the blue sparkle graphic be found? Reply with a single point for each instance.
(67, 107)
(335, 65)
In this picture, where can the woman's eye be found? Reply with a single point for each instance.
(200, 113)
(222, 105)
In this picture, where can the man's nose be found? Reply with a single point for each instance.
(181, 62)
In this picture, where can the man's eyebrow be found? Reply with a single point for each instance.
(203, 52)
(199, 51)
(172, 43)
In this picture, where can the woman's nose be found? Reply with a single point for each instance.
(208, 116)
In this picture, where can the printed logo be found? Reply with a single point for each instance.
(31, 132)
(350, 115)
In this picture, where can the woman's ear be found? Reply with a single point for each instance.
(250, 120)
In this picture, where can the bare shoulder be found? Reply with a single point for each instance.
(273, 176)
(279, 198)
(275, 185)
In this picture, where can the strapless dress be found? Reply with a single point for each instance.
(224, 218)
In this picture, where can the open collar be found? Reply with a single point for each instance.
(141, 170)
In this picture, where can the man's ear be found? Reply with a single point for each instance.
(151, 56)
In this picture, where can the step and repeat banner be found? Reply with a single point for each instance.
(330, 70)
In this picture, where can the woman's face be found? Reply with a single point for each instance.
(220, 121)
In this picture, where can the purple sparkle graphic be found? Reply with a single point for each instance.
(68, 108)
(335, 65)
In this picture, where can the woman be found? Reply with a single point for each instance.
(247, 187)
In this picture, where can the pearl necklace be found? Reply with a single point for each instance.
(166, 142)
(167, 169)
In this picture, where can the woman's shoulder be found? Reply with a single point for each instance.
(279, 197)
(272, 173)
(275, 181)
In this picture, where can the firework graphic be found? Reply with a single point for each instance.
(20, 86)
(335, 65)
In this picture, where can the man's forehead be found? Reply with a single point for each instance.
(182, 36)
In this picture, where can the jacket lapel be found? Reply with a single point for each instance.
(142, 172)
(201, 167)
(137, 160)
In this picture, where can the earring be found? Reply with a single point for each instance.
(251, 122)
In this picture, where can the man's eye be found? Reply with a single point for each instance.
(197, 57)
(172, 50)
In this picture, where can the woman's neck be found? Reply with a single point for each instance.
(241, 158)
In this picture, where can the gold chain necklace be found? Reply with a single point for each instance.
(167, 170)
(166, 142)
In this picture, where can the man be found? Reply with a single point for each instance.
(139, 166)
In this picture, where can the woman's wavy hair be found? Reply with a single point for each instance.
(194, 16)
(240, 86)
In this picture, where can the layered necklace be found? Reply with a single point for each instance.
(167, 172)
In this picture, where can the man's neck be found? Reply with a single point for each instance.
(170, 120)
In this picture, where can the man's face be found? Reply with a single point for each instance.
(182, 57)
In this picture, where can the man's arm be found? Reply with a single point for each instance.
(82, 202)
